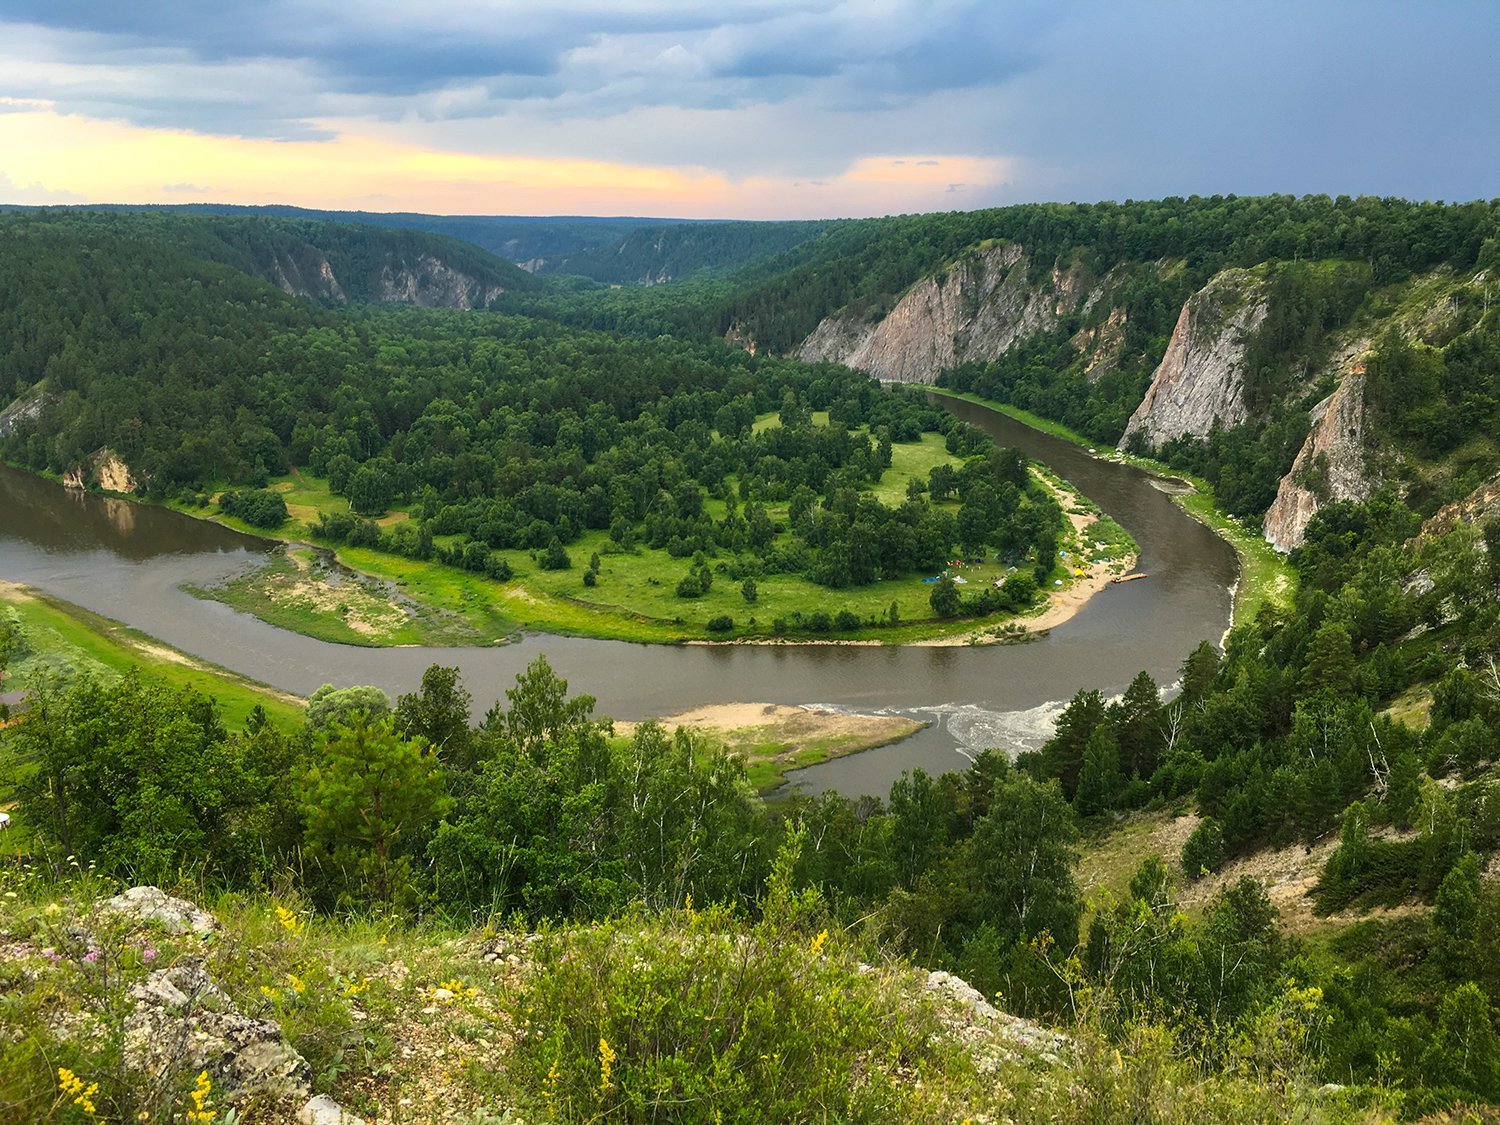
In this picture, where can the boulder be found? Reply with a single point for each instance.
(183, 1023)
(153, 905)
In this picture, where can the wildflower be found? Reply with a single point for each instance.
(299, 986)
(817, 943)
(71, 1086)
(607, 1058)
(91, 956)
(354, 987)
(290, 922)
(549, 1086)
(148, 955)
(52, 909)
(202, 1112)
(270, 993)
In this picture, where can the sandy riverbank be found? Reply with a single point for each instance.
(775, 737)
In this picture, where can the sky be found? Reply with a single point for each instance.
(755, 109)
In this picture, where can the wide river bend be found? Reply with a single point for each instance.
(129, 562)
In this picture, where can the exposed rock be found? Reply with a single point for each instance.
(1329, 467)
(974, 310)
(430, 283)
(184, 1022)
(102, 469)
(1100, 345)
(1201, 379)
(27, 408)
(991, 1035)
(314, 280)
(151, 904)
(1479, 507)
(323, 1110)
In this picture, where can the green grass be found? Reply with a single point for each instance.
(301, 590)
(912, 460)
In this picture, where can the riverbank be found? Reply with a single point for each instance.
(774, 738)
(59, 638)
(1265, 575)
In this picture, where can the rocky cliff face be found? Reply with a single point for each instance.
(430, 283)
(1479, 507)
(975, 310)
(103, 469)
(1329, 467)
(1201, 379)
(312, 279)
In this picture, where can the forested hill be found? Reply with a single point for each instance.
(1229, 336)
(324, 261)
(517, 238)
(656, 254)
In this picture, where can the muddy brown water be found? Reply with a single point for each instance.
(130, 562)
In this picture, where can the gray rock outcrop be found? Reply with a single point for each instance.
(153, 905)
(1200, 381)
(974, 310)
(323, 1110)
(183, 1023)
(430, 283)
(1329, 467)
(990, 1035)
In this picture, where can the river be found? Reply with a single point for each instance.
(129, 562)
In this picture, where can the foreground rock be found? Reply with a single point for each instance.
(993, 1037)
(184, 1023)
(153, 905)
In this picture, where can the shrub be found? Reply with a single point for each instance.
(720, 624)
(637, 1020)
(846, 622)
(1204, 850)
(258, 507)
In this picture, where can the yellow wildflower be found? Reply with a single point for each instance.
(290, 922)
(299, 986)
(202, 1112)
(549, 1086)
(71, 1086)
(607, 1058)
(817, 943)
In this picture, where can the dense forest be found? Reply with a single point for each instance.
(655, 254)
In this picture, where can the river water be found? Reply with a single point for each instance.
(129, 561)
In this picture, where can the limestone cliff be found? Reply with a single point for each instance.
(103, 469)
(1201, 379)
(975, 310)
(311, 278)
(1330, 467)
(430, 283)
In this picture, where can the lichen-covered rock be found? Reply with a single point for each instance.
(1329, 467)
(1479, 507)
(993, 1037)
(183, 1023)
(153, 905)
(1200, 381)
(430, 283)
(974, 310)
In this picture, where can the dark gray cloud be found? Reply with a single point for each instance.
(1091, 99)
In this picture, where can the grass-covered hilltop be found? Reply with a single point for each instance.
(1266, 891)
